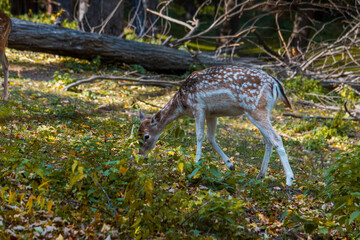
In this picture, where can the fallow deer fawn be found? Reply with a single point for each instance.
(5, 28)
(222, 91)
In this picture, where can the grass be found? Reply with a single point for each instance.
(69, 165)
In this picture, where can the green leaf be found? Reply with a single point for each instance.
(353, 216)
(39, 172)
(285, 214)
(323, 230)
(137, 222)
(194, 172)
(310, 227)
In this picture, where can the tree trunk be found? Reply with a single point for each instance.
(104, 16)
(229, 27)
(19, 7)
(68, 42)
(189, 6)
(301, 31)
(48, 7)
(68, 7)
(143, 20)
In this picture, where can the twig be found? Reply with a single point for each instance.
(317, 117)
(266, 47)
(308, 103)
(110, 16)
(107, 196)
(192, 214)
(281, 37)
(350, 113)
(150, 104)
(334, 82)
(171, 19)
(139, 80)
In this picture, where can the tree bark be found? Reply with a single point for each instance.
(301, 31)
(100, 13)
(19, 7)
(68, 7)
(143, 20)
(68, 42)
(230, 26)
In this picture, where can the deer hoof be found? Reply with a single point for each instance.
(289, 181)
(260, 176)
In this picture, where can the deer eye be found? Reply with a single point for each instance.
(146, 136)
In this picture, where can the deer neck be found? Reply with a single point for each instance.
(172, 111)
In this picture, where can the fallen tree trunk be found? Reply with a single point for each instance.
(68, 42)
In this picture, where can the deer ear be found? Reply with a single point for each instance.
(141, 115)
(156, 118)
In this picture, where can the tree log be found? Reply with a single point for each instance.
(68, 42)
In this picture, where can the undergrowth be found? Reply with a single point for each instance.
(69, 168)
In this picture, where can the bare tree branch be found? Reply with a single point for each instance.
(317, 117)
(141, 81)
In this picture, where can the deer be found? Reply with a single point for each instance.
(5, 28)
(218, 91)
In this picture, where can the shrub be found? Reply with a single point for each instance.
(343, 190)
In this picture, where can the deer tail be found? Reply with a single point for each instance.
(281, 93)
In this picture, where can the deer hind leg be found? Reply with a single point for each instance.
(5, 67)
(264, 125)
(200, 125)
(211, 127)
(264, 165)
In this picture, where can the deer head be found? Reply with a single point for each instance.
(149, 131)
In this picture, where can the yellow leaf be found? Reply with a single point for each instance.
(299, 196)
(349, 202)
(181, 167)
(11, 197)
(60, 237)
(43, 184)
(3, 191)
(105, 228)
(74, 166)
(49, 205)
(30, 202)
(42, 203)
(122, 170)
(81, 170)
(148, 186)
(148, 190)
(52, 138)
(21, 197)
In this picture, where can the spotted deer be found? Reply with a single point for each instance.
(5, 28)
(222, 91)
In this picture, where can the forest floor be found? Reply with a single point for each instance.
(69, 168)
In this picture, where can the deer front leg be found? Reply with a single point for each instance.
(211, 127)
(5, 67)
(199, 122)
